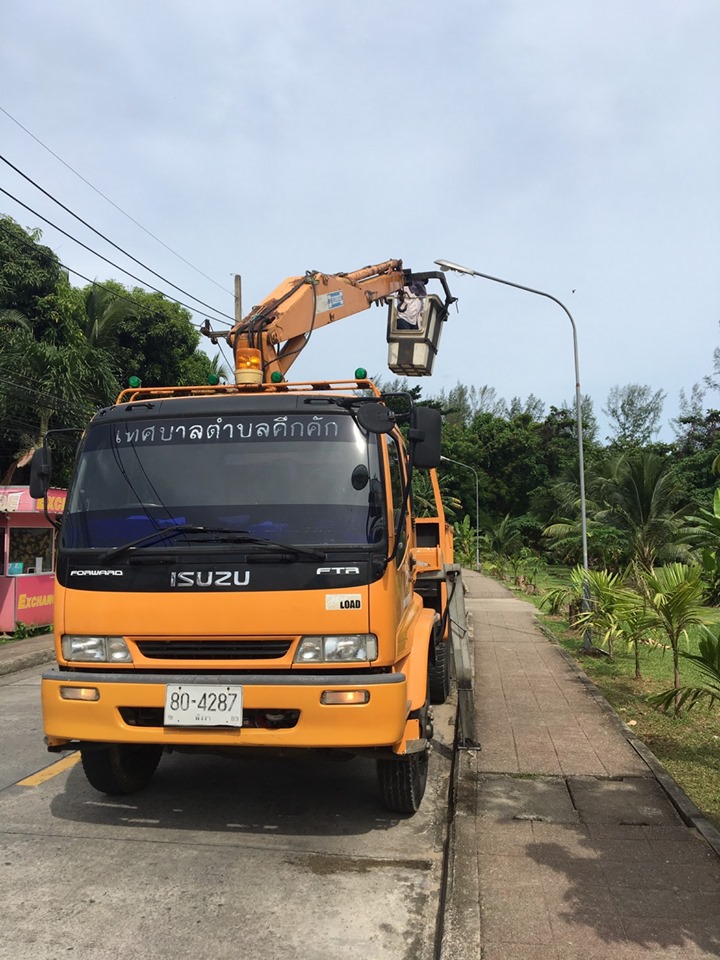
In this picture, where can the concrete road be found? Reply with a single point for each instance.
(216, 858)
(23, 750)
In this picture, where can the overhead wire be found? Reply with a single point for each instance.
(42, 396)
(108, 240)
(111, 202)
(127, 299)
(133, 220)
(95, 252)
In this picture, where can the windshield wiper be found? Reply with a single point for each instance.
(211, 534)
(172, 530)
(221, 535)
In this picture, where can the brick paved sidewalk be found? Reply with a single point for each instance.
(565, 844)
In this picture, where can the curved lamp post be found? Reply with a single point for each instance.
(449, 265)
(477, 506)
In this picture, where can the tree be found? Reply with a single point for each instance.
(461, 404)
(508, 455)
(639, 497)
(51, 377)
(635, 414)
(157, 342)
(696, 448)
(615, 612)
(675, 604)
(707, 663)
(532, 406)
(501, 541)
(105, 308)
(29, 272)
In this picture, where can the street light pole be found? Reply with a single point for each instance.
(477, 507)
(449, 265)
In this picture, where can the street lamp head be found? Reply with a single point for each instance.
(449, 265)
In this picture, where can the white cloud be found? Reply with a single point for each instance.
(562, 144)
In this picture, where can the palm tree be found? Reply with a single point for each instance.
(52, 374)
(501, 541)
(104, 311)
(616, 611)
(703, 532)
(707, 661)
(675, 594)
(640, 499)
(218, 367)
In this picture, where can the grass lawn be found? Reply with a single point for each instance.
(688, 746)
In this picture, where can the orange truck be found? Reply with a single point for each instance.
(239, 566)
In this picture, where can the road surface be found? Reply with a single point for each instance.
(217, 858)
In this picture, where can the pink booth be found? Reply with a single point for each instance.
(27, 557)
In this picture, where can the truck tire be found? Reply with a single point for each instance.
(402, 781)
(120, 768)
(439, 668)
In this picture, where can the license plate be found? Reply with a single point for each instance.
(203, 705)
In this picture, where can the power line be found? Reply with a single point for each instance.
(94, 252)
(128, 299)
(41, 396)
(111, 202)
(108, 240)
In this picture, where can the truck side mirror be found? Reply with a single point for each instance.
(40, 470)
(425, 437)
(375, 418)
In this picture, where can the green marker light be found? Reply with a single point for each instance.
(213, 379)
(276, 377)
(361, 373)
(135, 382)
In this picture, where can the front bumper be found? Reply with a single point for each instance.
(381, 722)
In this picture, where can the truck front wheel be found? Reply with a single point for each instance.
(402, 780)
(439, 667)
(119, 768)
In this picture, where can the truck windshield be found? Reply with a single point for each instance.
(303, 480)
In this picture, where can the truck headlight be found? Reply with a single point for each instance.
(337, 648)
(95, 649)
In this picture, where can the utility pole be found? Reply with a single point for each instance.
(238, 298)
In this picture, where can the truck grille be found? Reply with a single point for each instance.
(213, 649)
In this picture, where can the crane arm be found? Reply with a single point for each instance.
(280, 325)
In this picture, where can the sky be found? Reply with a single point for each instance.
(569, 146)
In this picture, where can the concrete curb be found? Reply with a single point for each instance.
(690, 814)
(23, 660)
(461, 929)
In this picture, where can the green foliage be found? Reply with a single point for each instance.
(675, 594)
(65, 351)
(29, 272)
(424, 497)
(154, 340)
(707, 661)
(501, 539)
(616, 612)
(24, 630)
(634, 412)
(608, 602)
(526, 567)
(639, 498)
(696, 448)
(702, 530)
(464, 534)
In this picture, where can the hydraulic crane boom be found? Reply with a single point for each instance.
(280, 326)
